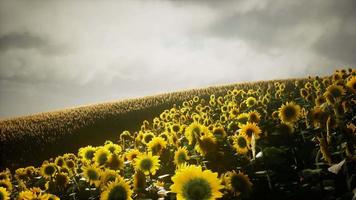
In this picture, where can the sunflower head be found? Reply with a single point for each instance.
(101, 156)
(195, 130)
(61, 180)
(147, 163)
(132, 154)
(351, 84)
(251, 101)
(254, 116)
(87, 153)
(239, 184)
(336, 91)
(108, 176)
(113, 148)
(181, 156)
(119, 189)
(157, 145)
(147, 137)
(191, 182)
(6, 183)
(48, 170)
(115, 162)
(219, 132)
(250, 129)
(92, 174)
(4, 194)
(6, 174)
(206, 144)
(241, 144)
(59, 161)
(289, 112)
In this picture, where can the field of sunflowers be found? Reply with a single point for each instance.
(282, 140)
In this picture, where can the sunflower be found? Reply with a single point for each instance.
(335, 91)
(242, 119)
(192, 182)
(6, 183)
(254, 116)
(115, 162)
(48, 170)
(219, 132)
(251, 101)
(125, 135)
(177, 128)
(195, 130)
(238, 183)
(132, 154)
(249, 129)
(241, 144)
(4, 195)
(206, 144)
(108, 176)
(320, 100)
(147, 137)
(87, 153)
(113, 148)
(234, 112)
(180, 156)
(147, 163)
(61, 180)
(157, 145)
(351, 84)
(318, 117)
(6, 174)
(101, 156)
(289, 112)
(92, 174)
(59, 161)
(118, 190)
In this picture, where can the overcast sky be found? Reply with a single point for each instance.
(57, 54)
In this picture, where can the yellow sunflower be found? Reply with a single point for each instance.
(6, 183)
(254, 116)
(132, 154)
(251, 101)
(120, 189)
(4, 195)
(206, 144)
(101, 156)
(195, 130)
(6, 174)
(241, 144)
(108, 176)
(219, 132)
(48, 170)
(180, 156)
(147, 163)
(113, 148)
(115, 162)
(192, 182)
(351, 83)
(250, 128)
(59, 161)
(87, 153)
(157, 145)
(147, 137)
(335, 91)
(125, 135)
(92, 174)
(320, 100)
(242, 119)
(238, 183)
(289, 112)
(61, 180)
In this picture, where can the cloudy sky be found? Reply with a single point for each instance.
(57, 54)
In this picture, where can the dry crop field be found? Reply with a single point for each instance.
(281, 139)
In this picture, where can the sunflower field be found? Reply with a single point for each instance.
(282, 140)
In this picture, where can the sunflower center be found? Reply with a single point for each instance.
(175, 128)
(182, 157)
(148, 138)
(49, 170)
(289, 112)
(249, 132)
(242, 142)
(92, 174)
(197, 189)
(102, 158)
(117, 193)
(89, 154)
(146, 164)
(335, 92)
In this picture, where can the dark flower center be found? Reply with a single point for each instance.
(197, 189)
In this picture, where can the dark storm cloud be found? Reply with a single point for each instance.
(27, 40)
(279, 24)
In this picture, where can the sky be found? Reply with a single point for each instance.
(60, 54)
